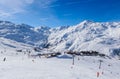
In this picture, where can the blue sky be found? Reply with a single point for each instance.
(54, 13)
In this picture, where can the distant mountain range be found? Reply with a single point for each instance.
(87, 35)
(24, 33)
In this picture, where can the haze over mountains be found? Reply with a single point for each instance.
(87, 35)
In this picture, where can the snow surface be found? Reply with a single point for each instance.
(88, 35)
(22, 67)
(24, 33)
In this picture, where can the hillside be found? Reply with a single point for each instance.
(103, 37)
(87, 35)
(24, 33)
(19, 60)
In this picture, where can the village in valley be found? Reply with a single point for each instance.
(34, 62)
(89, 50)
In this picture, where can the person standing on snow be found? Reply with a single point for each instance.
(4, 59)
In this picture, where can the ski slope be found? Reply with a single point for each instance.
(101, 37)
(22, 67)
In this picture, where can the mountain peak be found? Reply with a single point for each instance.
(84, 24)
(86, 21)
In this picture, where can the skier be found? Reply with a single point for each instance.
(98, 74)
(4, 59)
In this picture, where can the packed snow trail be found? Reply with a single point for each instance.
(22, 67)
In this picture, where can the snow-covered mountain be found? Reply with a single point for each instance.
(17, 56)
(87, 35)
(24, 33)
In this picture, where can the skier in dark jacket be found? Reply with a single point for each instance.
(4, 59)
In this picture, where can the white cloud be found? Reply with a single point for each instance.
(45, 3)
(4, 14)
(9, 8)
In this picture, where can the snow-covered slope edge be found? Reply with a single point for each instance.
(24, 33)
(88, 35)
(11, 47)
(102, 37)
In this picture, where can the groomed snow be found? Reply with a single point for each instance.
(22, 67)
(101, 37)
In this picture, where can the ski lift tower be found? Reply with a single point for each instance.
(100, 61)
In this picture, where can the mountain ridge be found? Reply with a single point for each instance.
(87, 35)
